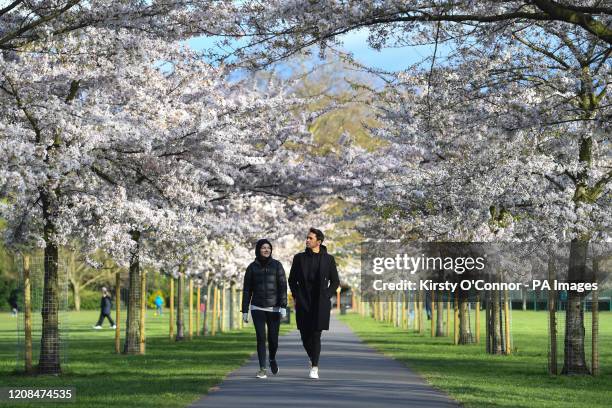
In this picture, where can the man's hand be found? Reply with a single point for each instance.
(283, 312)
(245, 317)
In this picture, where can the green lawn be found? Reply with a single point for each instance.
(169, 375)
(480, 380)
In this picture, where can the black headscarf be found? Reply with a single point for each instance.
(262, 259)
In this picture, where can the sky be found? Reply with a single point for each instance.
(355, 42)
(388, 59)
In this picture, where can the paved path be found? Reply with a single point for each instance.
(352, 375)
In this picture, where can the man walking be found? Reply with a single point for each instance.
(313, 280)
(105, 310)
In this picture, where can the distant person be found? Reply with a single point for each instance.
(428, 305)
(105, 310)
(563, 300)
(14, 302)
(203, 312)
(313, 281)
(265, 288)
(159, 302)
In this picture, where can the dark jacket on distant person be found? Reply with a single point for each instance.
(106, 304)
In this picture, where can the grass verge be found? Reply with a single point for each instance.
(476, 379)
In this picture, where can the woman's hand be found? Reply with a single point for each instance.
(283, 312)
(245, 317)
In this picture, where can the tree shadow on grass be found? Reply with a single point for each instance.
(169, 374)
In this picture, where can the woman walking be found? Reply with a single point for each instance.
(265, 289)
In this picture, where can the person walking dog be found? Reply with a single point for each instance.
(313, 280)
(265, 289)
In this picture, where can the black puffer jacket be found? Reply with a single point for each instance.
(264, 285)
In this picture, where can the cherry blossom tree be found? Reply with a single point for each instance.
(278, 29)
(27, 22)
(506, 139)
(111, 137)
(517, 149)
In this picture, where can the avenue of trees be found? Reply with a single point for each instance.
(117, 135)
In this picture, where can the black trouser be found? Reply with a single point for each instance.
(262, 318)
(311, 339)
(101, 319)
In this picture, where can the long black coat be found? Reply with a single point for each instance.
(309, 316)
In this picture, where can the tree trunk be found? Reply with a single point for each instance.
(143, 310)
(574, 358)
(403, 310)
(488, 321)
(118, 312)
(496, 336)
(27, 313)
(501, 325)
(190, 309)
(552, 319)
(432, 306)
(132, 326)
(477, 318)
(456, 318)
(214, 311)
(465, 332)
(506, 323)
(595, 323)
(180, 302)
(49, 359)
(524, 298)
(232, 310)
(198, 312)
(171, 328)
(448, 307)
(440, 315)
(421, 295)
(76, 292)
(207, 308)
(222, 308)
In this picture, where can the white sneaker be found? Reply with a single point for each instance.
(314, 372)
(97, 327)
(113, 326)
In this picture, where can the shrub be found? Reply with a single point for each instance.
(6, 289)
(90, 300)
